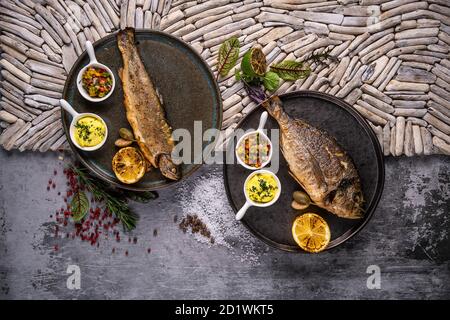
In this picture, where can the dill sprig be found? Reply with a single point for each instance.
(115, 202)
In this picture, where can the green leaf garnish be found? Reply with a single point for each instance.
(290, 70)
(228, 56)
(271, 81)
(79, 206)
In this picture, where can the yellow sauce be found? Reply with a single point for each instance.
(89, 131)
(261, 187)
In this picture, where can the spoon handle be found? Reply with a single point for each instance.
(66, 106)
(91, 52)
(262, 120)
(243, 210)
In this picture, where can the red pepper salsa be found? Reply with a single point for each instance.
(254, 150)
(97, 82)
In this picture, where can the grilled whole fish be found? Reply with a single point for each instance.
(144, 110)
(318, 164)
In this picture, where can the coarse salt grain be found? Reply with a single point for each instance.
(206, 198)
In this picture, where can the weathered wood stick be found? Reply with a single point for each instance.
(392, 142)
(95, 20)
(47, 136)
(25, 87)
(378, 112)
(9, 144)
(295, 22)
(385, 24)
(386, 72)
(417, 121)
(15, 71)
(437, 123)
(409, 104)
(408, 147)
(395, 85)
(51, 20)
(48, 143)
(377, 103)
(378, 52)
(374, 92)
(59, 143)
(437, 133)
(353, 83)
(16, 63)
(441, 145)
(399, 135)
(370, 115)
(14, 111)
(353, 96)
(7, 117)
(44, 99)
(407, 24)
(10, 131)
(406, 112)
(427, 141)
(11, 90)
(386, 139)
(405, 50)
(403, 9)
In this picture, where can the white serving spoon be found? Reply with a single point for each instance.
(262, 123)
(250, 202)
(93, 63)
(77, 116)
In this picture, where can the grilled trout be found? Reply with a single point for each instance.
(318, 164)
(144, 110)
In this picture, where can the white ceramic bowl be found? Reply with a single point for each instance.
(249, 203)
(93, 63)
(77, 116)
(262, 123)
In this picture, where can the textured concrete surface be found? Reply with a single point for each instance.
(407, 238)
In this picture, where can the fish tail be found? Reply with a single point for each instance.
(125, 38)
(275, 107)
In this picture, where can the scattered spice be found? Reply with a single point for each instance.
(97, 224)
(196, 225)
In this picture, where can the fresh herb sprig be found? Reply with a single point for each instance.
(255, 85)
(116, 202)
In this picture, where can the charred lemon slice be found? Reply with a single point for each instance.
(311, 232)
(129, 165)
(254, 62)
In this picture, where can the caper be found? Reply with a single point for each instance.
(126, 134)
(121, 143)
(297, 206)
(302, 199)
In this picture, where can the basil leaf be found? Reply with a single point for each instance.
(271, 81)
(290, 70)
(79, 206)
(228, 55)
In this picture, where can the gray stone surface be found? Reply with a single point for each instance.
(407, 238)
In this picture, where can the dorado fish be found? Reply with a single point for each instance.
(144, 110)
(318, 164)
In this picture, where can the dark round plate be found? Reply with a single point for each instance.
(273, 224)
(185, 82)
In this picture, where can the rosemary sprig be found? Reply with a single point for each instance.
(115, 202)
(320, 57)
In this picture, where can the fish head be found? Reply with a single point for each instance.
(347, 199)
(168, 169)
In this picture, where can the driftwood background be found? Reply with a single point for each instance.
(393, 65)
